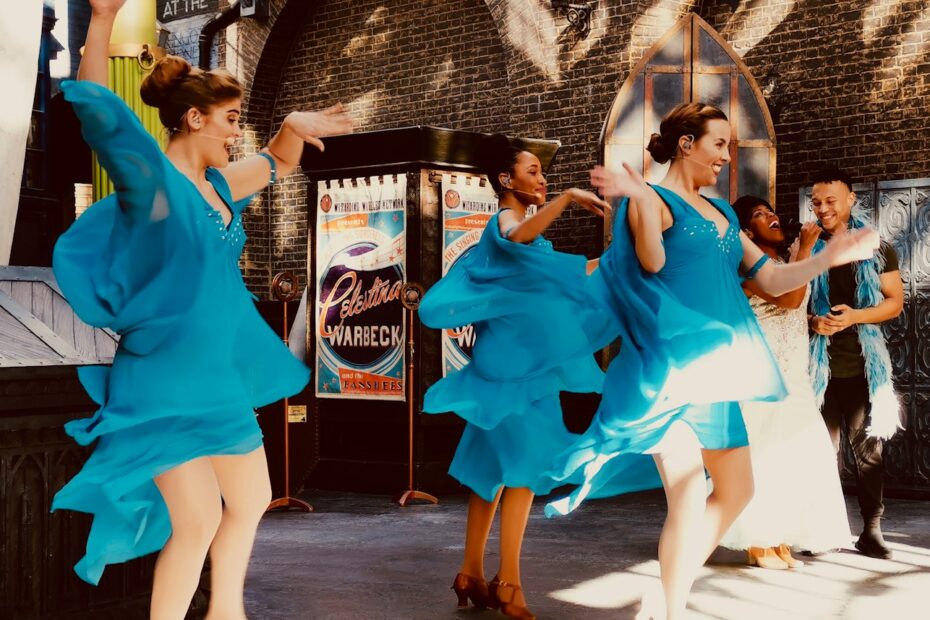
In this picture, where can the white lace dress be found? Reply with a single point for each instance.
(798, 499)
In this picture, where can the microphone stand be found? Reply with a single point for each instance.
(284, 288)
(410, 297)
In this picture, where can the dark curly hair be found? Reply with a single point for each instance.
(829, 175)
(745, 205)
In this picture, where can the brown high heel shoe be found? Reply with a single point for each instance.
(507, 606)
(468, 587)
(493, 601)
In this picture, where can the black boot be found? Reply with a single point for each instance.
(871, 542)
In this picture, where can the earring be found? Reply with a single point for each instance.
(506, 181)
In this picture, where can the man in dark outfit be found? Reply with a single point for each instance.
(847, 401)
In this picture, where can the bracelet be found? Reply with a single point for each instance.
(755, 268)
(274, 167)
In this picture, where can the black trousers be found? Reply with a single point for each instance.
(846, 406)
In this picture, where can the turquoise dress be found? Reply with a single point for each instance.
(536, 329)
(692, 348)
(155, 263)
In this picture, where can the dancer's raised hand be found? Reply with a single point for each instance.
(611, 184)
(93, 67)
(589, 201)
(106, 7)
(311, 126)
(808, 235)
(852, 246)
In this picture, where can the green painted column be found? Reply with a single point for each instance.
(132, 54)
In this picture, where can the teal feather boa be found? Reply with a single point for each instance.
(885, 410)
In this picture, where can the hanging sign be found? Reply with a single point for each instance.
(171, 10)
(360, 270)
(468, 202)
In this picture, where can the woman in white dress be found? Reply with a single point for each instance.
(798, 500)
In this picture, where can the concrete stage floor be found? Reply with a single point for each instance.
(362, 557)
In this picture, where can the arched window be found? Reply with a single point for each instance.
(692, 62)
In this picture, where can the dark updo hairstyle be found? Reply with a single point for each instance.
(174, 87)
(497, 154)
(686, 119)
(745, 205)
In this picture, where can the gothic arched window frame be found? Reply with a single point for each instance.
(694, 58)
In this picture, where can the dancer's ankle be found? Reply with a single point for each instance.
(225, 612)
(509, 576)
(472, 570)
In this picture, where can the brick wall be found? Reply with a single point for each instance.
(390, 70)
(506, 66)
(562, 86)
(851, 90)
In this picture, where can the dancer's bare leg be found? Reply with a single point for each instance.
(477, 529)
(515, 512)
(192, 495)
(680, 547)
(246, 490)
(731, 471)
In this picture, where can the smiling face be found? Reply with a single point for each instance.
(216, 131)
(832, 203)
(708, 154)
(527, 179)
(764, 227)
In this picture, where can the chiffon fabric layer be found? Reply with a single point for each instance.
(691, 349)
(798, 499)
(536, 329)
(155, 263)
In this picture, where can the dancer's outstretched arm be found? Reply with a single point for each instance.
(841, 249)
(646, 213)
(93, 65)
(534, 225)
(249, 175)
(800, 249)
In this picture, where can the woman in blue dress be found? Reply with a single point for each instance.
(691, 346)
(534, 334)
(178, 464)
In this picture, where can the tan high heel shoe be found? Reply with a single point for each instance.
(468, 587)
(783, 551)
(507, 606)
(765, 558)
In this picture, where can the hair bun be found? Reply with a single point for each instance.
(166, 76)
(658, 149)
(494, 153)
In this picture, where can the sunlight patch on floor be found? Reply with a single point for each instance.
(834, 585)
